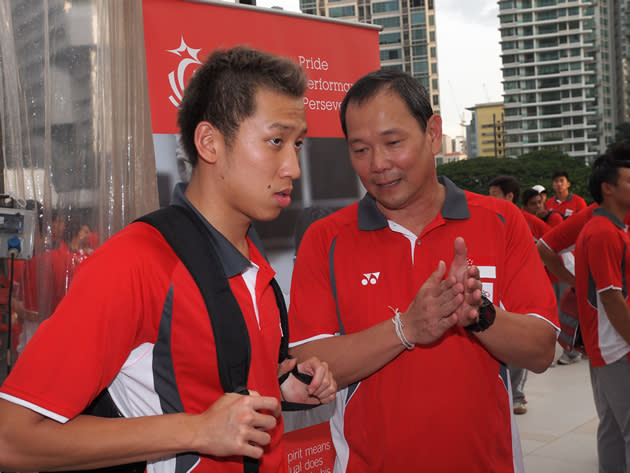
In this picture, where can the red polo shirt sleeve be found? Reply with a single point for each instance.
(604, 252)
(564, 236)
(554, 219)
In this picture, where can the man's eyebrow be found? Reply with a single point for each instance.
(388, 132)
(355, 140)
(281, 125)
(284, 126)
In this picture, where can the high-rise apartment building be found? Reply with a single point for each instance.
(407, 40)
(563, 74)
(622, 37)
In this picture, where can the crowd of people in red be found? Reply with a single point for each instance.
(39, 284)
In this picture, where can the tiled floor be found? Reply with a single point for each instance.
(558, 433)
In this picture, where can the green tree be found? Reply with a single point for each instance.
(530, 169)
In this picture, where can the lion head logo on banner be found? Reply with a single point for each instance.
(177, 86)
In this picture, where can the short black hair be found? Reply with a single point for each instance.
(507, 184)
(529, 194)
(606, 168)
(560, 174)
(413, 93)
(222, 91)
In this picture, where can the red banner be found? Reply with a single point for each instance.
(310, 449)
(179, 35)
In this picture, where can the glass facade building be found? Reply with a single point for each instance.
(565, 74)
(407, 40)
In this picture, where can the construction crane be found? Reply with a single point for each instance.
(460, 111)
(485, 91)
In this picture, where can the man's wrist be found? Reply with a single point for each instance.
(400, 332)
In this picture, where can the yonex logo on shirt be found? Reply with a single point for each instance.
(370, 278)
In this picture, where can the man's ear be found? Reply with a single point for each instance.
(208, 141)
(607, 188)
(434, 132)
(510, 196)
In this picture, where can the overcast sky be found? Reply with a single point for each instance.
(468, 56)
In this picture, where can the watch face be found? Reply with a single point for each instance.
(487, 313)
(486, 304)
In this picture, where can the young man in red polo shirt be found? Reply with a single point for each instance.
(135, 322)
(368, 296)
(534, 203)
(560, 240)
(542, 191)
(508, 188)
(564, 202)
(602, 273)
(556, 251)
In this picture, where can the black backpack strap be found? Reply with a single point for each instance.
(284, 352)
(284, 321)
(188, 237)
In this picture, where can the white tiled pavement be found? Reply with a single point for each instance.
(558, 433)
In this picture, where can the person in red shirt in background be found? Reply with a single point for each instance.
(559, 242)
(43, 281)
(508, 188)
(15, 325)
(567, 204)
(556, 246)
(542, 191)
(533, 205)
(76, 248)
(534, 202)
(564, 202)
(602, 274)
(57, 230)
(561, 239)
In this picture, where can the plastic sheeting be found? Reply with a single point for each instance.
(75, 139)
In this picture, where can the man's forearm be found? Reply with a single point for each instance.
(521, 340)
(553, 262)
(355, 356)
(30, 442)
